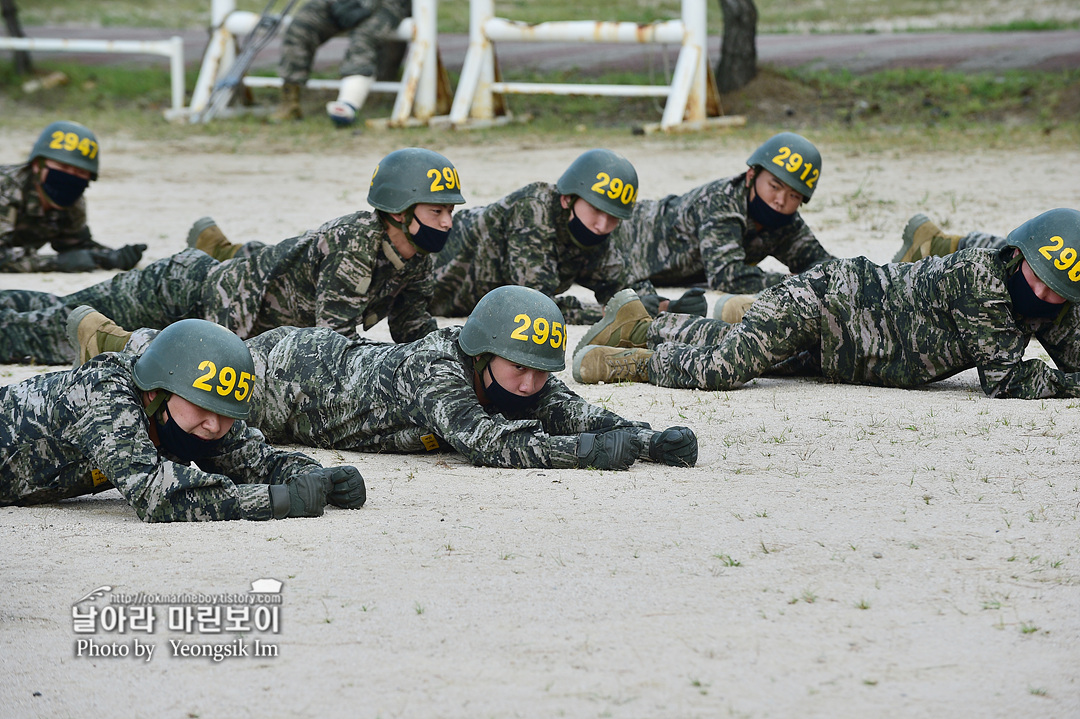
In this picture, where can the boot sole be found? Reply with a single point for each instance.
(74, 320)
(909, 236)
(611, 309)
(579, 354)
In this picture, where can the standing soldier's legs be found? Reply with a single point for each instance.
(311, 27)
(361, 61)
(785, 321)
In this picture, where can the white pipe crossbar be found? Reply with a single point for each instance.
(474, 102)
(172, 48)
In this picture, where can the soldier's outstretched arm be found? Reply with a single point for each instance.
(446, 403)
(111, 430)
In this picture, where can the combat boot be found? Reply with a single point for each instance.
(289, 109)
(624, 324)
(205, 235)
(611, 364)
(91, 333)
(923, 238)
(731, 308)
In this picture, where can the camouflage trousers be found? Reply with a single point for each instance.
(33, 325)
(780, 334)
(320, 20)
(981, 239)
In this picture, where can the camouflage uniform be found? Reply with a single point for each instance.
(320, 389)
(66, 434)
(319, 20)
(523, 239)
(897, 325)
(25, 226)
(334, 276)
(706, 236)
(981, 239)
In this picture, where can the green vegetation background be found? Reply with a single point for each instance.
(896, 108)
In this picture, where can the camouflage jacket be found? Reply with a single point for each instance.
(25, 227)
(903, 325)
(335, 276)
(322, 390)
(82, 431)
(705, 235)
(523, 239)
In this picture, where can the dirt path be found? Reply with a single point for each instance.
(839, 551)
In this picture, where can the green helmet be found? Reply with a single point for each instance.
(793, 159)
(202, 362)
(1051, 245)
(70, 143)
(604, 179)
(413, 175)
(519, 324)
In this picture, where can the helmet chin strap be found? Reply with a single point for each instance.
(155, 404)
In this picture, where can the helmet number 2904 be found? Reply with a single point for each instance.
(445, 180)
(227, 381)
(1065, 260)
(542, 331)
(614, 188)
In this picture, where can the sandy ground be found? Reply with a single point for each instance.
(838, 551)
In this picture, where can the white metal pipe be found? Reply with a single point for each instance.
(172, 48)
(219, 10)
(316, 83)
(131, 47)
(542, 88)
(503, 30)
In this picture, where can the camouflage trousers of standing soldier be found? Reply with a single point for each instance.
(779, 334)
(33, 325)
(315, 24)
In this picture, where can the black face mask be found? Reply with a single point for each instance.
(583, 237)
(1026, 302)
(62, 188)
(185, 447)
(506, 401)
(428, 239)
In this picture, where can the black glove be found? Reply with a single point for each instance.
(123, 259)
(76, 261)
(692, 302)
(614, 449)
(652, 303)
(349, 491)
(303, 495)
(675, 446)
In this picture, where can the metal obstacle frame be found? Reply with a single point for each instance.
(172, 48)
(692, 98)
(416, 92)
